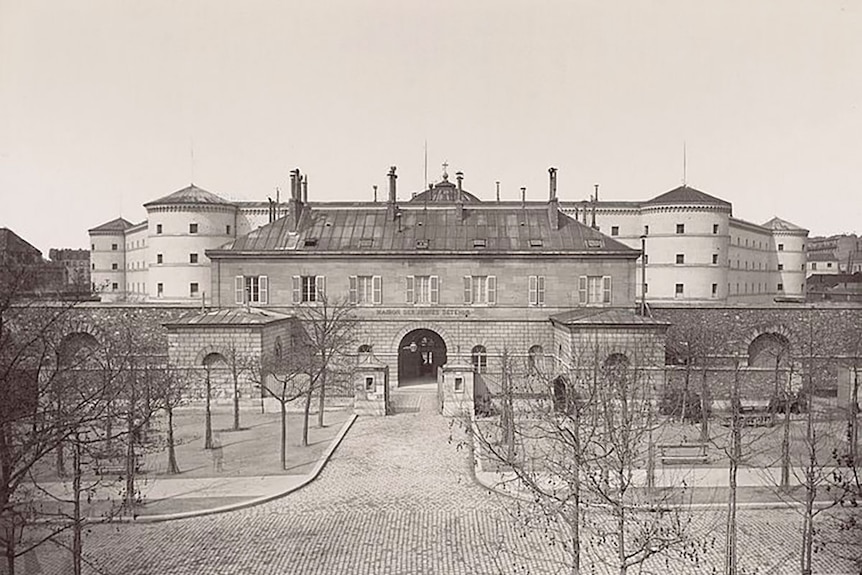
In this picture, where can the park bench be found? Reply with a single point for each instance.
(686, 453)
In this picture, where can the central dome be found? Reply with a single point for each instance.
(444, 192)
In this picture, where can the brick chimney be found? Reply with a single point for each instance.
(553, 201)
(459, 176)
(295, 205)
(390, 204)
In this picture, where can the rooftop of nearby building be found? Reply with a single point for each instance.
(444, 192)
(821, 256)
(115, 225)
(604, 317)
(687, 195)
(376, 228)
(190, 195)
(778, 224)
(233, 316)
(10, 242)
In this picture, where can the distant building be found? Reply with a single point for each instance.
(22, 268)
(840, 253)
(75, 265)
(839, 287)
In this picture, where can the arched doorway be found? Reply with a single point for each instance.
(420, 353)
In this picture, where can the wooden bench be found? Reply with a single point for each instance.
(683, 453)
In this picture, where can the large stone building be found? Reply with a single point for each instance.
(696, 251)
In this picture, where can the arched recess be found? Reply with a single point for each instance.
(535, 360)
(420, 353)
(79, 351)
(769, 350)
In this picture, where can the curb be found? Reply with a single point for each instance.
(754, 505)
(321, 463)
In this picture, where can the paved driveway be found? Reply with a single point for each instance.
(397, 497)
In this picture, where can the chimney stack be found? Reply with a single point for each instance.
(375, 193)
(459, 177)
(523, 198)
(295, 204)
(498, 191)
(390, 204)
(553, 202)
(305, 189)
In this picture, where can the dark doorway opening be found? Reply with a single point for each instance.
(420, 353)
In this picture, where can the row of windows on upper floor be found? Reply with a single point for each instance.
(680, 260)
(193, 229)
(419, 290)
(679, 230)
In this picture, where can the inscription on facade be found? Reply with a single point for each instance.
(425, 312)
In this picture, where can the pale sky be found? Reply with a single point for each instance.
(102, 102)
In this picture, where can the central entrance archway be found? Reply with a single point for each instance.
(420, 353)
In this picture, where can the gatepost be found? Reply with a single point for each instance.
(370, 386)
(457, 389)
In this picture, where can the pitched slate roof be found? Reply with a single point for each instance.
(233, 316)
(370, 228)
(593, 316)
(777, 223)
(190, 195)
(821, 256)
(116, 225)
(686, 195)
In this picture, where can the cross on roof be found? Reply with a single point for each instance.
(445, 174)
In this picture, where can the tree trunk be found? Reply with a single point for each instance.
(621, 527)
(853, 427)
(305, 417)
(730, 549)
(283, 434)
(236, 426)
(704, 408)
(208, 432)
(129, 496)
(810, 486)
(321, 399)
(78, 523)
(173, 468)
(61, 459)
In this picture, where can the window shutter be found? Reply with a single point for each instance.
(239, 290)
(534, 290)
(352, 290)
(377, 288)
(606, 289)
(410, 285)
(492, 290)
(264, 289)
(468, 291)
(320, 286)
(582, 289)
(540, 292)
(435, 289)
(297, 289)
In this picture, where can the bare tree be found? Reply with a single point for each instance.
(171, 385)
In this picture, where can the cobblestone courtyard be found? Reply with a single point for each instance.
(397, 497)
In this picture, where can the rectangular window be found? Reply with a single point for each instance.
(251, 289)
(159, 258)
(680, 258)
(828, 265)
(780, 267)
(714, 259)
(646, 230)
(158, 228)
(780, 287)
(423, 290)
(92, 247)
(193, 289)
(459, 385)
(113, 247)
(679, 290)
(814, 265)
(680, 228)
(366, 290)
(160, 289)
(193, 228)
(480, 290)
(615, 230)
(308, 289)
(715, 229)
(537, 290)
(227, 230)
(594, 289)
(714, 290)
(193, 258)
(115, 286)
(369, 384)
(114, 266)
(781, 247)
